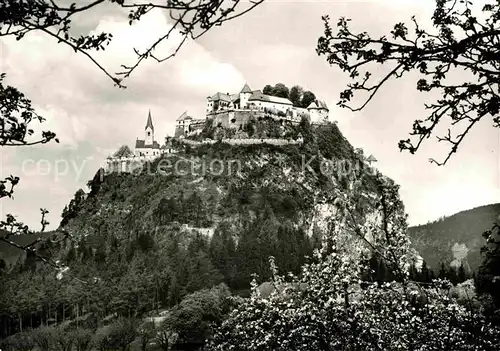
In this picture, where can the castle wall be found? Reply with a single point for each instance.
(179, 131)
(250, 141)
(195, 128)
(318, 115)
(191, 128)
(234, 118)
(130, 164)
(140, 152)
(126, 164)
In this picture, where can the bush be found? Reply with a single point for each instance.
(63, 339)
(44, 338)
(116, 336)
(249, 128)
(19, 342)
(82, 339)
(147, 332)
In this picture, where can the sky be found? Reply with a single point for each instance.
(275, 43)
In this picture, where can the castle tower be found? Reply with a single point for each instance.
(245, 94)
(149, 131)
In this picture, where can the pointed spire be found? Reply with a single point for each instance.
(149, 123)
(246, 89)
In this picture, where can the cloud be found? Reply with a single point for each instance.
(90, 116)
(273, 43)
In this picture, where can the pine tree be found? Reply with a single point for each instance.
(424, 273)
(443, 273)
(461, 274)
(222, 252)
(413, 273)
(452, 275)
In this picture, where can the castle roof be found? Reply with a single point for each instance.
(123, 151)
(259, 96)
(141, 144)
(246, 89)
(184, 116)
(221, 96)
(149, 123)
(317, 105)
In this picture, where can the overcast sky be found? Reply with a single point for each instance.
(274, 43)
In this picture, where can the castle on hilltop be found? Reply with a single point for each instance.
(234, 110)
(248, 99)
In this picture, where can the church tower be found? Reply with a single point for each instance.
(149, 131)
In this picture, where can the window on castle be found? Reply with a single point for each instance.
(149, 133)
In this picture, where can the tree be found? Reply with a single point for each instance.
(146, 333)
(326, 309)
(63, 339)
(296, 94)
(222, 252)
(268, 90)
(307, 98)
(281, 90)
(55, 20)
(17, 129)
(425, 273)
(488, 274)
(442, 271)
(461, 274)
(71, 211)
(82, 339)
(462, 42)
(119, 335)
(192, 320)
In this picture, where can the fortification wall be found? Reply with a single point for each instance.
(234, 118)
(179, 131)
(249, 141)
(128, 164)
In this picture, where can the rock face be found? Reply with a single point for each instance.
(265, 197)
(229, 180)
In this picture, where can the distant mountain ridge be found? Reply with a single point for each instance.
(455, 239)
(10, 254)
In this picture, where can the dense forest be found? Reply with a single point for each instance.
(435, 240)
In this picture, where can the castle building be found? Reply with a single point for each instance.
(182, 124)
(148, 146)
(248, 99)
(318, 110)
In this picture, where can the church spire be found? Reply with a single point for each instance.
(149, 123)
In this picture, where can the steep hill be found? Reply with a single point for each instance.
(205, 215)
(455, 239)
(10, 254)
(221, 186)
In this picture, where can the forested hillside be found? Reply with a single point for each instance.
(452, 238)
(142, 242)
